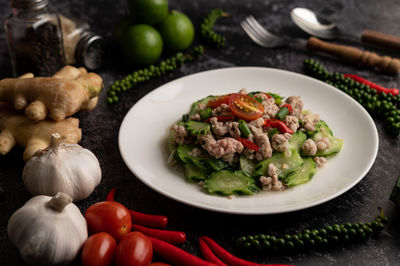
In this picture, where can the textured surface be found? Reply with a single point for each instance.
(100, 130)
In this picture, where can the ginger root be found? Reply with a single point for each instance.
(17, 129)
(59, 96)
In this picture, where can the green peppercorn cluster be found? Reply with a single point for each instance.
(330, 235)
(380, 104)
(153, 71)
(207, 31)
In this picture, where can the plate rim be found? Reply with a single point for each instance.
(254, 212)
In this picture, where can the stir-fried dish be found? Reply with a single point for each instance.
(242, 143)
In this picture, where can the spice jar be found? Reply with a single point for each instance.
(34, 38)
(81, 46)
(41, 41)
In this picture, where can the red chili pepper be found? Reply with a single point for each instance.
(248, 144)
(220, 118)
(208, 255)
(173, 237)
(278, 124)
(227, 257)
(175, 255)
(288, 106)
(150, 220)
(111, 194)
(374, 86)
(268, 96)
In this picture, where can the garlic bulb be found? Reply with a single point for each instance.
(48, 230)
(62, 167)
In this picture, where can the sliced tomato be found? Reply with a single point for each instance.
(248, 144)
(245, 107)
(218, 100)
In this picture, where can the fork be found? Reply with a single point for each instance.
(260, 35)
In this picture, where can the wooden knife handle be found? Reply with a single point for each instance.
(381, 39)
(354, 55)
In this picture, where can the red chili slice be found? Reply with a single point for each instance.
(288, 106)
(278, 124)
(248, 144)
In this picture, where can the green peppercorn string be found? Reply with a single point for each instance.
(327, 236)
(207, 32)
(381, 105)
(172, 63)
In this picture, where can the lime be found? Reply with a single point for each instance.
(142, 44)
(177, 31)
(120, 28)
(148, 11)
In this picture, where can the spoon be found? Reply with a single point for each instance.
(309, 22)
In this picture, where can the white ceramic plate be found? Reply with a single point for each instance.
(144, 132)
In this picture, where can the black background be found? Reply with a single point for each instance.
(100, 130)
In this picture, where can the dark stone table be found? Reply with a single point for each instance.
(100, 131)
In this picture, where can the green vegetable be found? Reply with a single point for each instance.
(205, 113)
(385, 106)
(278, 98)
(284, 111)
(285, 164)
(215, 164)
(195, 106)
(395, 196)
(227, 182)
(194, 173)
(244, 129)
(248, 166)
(272, 132)
(206, 162)
(182, 153)
(303, 174)
(297, 140)
(330, 235)
(198, 128)
(323, 130)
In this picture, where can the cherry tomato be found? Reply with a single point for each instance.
(159, 264)
(109, 216)
(134, 249)
(245, 107)
(99, 249)
(218, 100)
